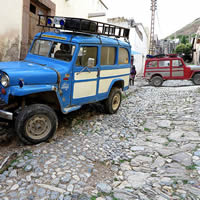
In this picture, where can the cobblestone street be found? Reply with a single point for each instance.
(149, 150)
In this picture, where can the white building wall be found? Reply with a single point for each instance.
(139, 49)
(11, 29)
(79, 8)
(196, 54)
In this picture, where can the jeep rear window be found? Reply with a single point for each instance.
(108, 55)
(152, 64)
(164, 63)
(123, 56)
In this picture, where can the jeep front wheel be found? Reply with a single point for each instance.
(156, 81)
(196, 79)
(36, 123)
(113, 102)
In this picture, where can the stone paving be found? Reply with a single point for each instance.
(149, 150)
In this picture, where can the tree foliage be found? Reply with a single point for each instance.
(180, 48)
(185, 51)
(184, 48)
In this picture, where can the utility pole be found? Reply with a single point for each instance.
(153, 11)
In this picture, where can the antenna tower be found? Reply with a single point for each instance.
(153, 11)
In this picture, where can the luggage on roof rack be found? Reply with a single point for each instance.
(172, 55)
(162, 56)
(83, 25)
(156, 56)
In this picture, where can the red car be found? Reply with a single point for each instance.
(169, 67)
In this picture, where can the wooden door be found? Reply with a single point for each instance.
(35, 9)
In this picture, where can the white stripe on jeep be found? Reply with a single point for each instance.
(104, 84)
(114, 72)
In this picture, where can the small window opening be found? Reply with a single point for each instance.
(32, 9)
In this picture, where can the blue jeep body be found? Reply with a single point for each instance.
(62, 84)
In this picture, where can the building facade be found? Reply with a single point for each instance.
(93, 9)
(21, 17)
(138, 38)
(19, 25)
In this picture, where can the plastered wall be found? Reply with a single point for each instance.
(10, 29)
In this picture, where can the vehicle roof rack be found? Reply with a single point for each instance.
(83, 25)
(162, 56)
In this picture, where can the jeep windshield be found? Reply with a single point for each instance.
(51, 49)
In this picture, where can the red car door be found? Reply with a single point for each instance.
(177, 69)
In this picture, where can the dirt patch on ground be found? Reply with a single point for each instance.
(100, 173)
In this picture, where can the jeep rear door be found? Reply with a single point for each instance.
(164, 68)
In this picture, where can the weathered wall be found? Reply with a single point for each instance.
(196, 55)
(10, 29)
(79, 8)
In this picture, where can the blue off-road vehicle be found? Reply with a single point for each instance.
(61, 72)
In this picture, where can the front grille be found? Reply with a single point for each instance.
(2, 104)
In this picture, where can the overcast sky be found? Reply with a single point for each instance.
(171, 14)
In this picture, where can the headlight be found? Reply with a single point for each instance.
(5, 80)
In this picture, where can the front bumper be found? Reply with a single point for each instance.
(6, 115)
(3, 113)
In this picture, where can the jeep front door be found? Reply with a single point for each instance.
(85, 79)
(177, 70)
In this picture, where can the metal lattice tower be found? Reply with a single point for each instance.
(153, 11)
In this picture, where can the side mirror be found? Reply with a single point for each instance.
(91, 62)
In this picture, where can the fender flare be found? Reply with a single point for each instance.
(33, 89)
(195, 72)
(30, 89)
(113, 82)
(156, 74)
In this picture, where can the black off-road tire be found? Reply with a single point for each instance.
(113, 102)
(196, 79)
(38, 113)
(156, 81)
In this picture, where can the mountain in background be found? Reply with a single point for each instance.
(187, 30)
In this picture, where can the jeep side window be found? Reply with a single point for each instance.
(108, 55)
(177, 63)
(84, 54)
(164, 63)
(152, 64)
(123, 56)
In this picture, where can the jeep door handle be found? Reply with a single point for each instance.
(98, 72)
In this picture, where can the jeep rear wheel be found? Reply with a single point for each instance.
(36, 123)
(113, 102)
(196, 79)
(157, 81)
